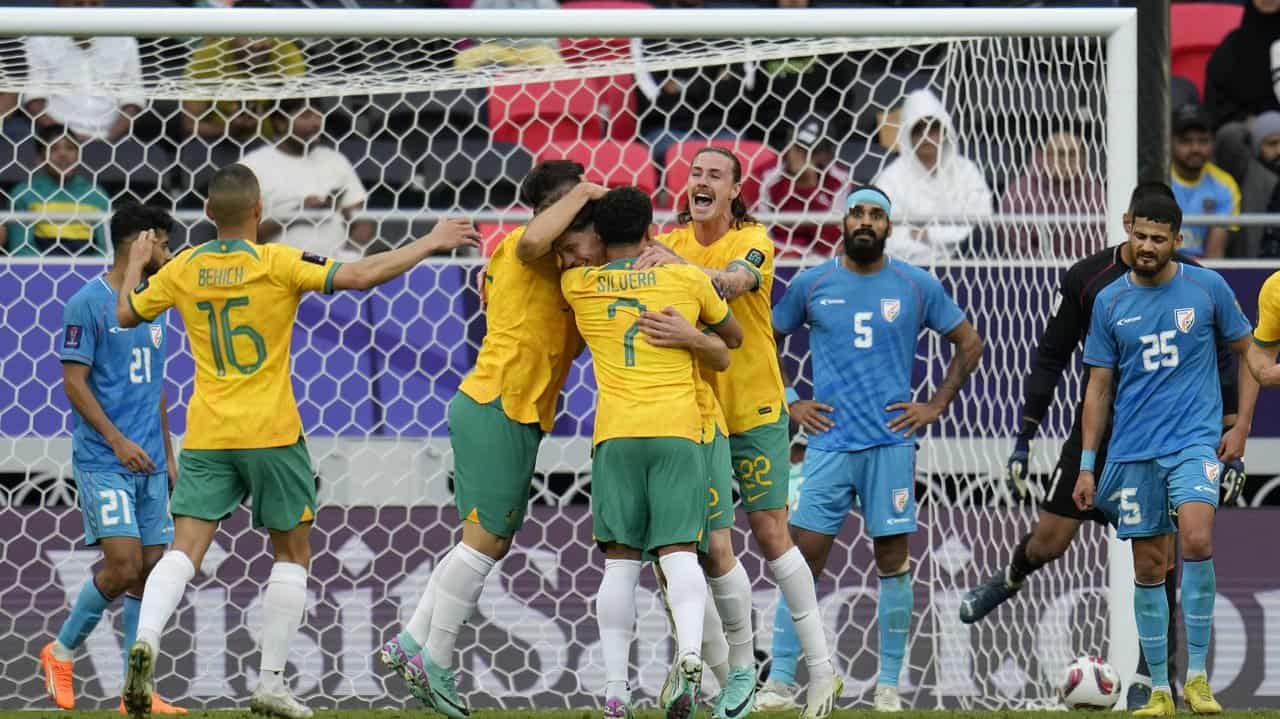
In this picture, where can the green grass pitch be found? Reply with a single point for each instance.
(595, 714)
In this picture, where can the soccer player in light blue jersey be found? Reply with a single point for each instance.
(865, 312)
(1155, 329)
(120, 451)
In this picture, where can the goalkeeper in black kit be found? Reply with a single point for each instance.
(1060, 519)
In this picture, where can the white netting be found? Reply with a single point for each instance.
(427, 134)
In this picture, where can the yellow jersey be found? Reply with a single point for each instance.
(751, 390)
(238, 301)
(644, 391)
(1267, 333)
(529, 342)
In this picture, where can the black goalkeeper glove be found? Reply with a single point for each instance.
(1232, 484)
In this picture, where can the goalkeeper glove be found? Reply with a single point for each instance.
(1015, 478)
(1233, 479)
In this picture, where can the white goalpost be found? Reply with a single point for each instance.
(430, 134)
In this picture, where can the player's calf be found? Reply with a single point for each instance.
(770, 529)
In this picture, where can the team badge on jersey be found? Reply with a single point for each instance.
(1185, 318)
(899, 499)
(157, 332)
(889, 309)
(1211, 471)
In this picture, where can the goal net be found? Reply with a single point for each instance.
(431, 114)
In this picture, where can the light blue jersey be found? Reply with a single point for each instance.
(126, 376)
(1161, 342)
(863, 335)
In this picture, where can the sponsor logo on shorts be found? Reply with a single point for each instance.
(897, 520)
(900, 499)
(72, 338)
(754, 497)
(157, 332)
(1211, 470)
(889, 309)
(1185, 318)
(1205, 488)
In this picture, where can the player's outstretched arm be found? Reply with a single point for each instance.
(1097, 413)
(448, 234)
(968, 353)
(668, 329)
(75, 382)
(549, 224)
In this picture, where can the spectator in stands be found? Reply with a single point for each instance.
(265, 60)
(1056, 183)
(787, 90)
(931, 178)
(297, 174)
(1254, 167)
(1202, 188)
(511, 51)
(807, 178)
(1240, 77)
(59, 187)
(103, 77)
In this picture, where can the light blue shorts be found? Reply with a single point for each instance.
(1140, 498)
(881, 478)
(125, 505)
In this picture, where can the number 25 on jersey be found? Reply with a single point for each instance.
(1159, 350)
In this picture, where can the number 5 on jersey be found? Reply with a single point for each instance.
(862, 337)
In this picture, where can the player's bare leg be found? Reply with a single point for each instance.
(164, 589)
(813, 549)
(730, 613)
(893, 564)
(283, 605)
(1048, 540)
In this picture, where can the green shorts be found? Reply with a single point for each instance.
(648, 492)
(720, 471)
(278, 481)
(762, 464)
(493, 460)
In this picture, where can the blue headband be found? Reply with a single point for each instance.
(869, 196)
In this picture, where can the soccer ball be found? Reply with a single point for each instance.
(1090, 683)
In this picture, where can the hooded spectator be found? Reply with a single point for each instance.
(930, 178)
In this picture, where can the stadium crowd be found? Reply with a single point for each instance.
(805, 127)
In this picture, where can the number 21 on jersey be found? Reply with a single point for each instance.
(140, 366)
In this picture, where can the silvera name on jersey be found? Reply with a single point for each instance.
(622, 281)
(221, 276)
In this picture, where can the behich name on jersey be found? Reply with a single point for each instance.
(221, 277)
(619, 282)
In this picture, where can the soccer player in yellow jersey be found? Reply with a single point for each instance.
(728, 641)
(238, 300)
(649, 483)
(1266, 336)
(496, 422)
(735, 251)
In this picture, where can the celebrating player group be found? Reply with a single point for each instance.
(692, 407)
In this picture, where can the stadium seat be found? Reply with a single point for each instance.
(455, 111)
(197, 161)
(608, 162)
(127, 166)
(617, 105)
(534, 114)
(1195, 31)
(756, 158)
